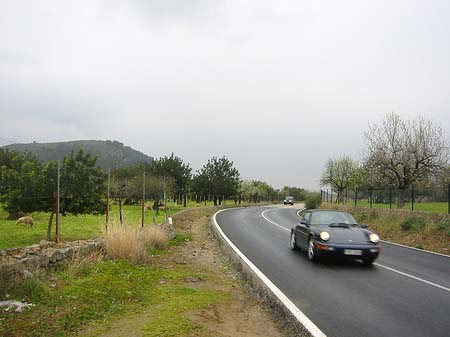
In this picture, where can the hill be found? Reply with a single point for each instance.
(109, 153)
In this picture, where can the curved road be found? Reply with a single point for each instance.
(405, 293)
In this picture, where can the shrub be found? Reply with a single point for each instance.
(411, 222)
(313, 200)
(360, 215)
(443, 224)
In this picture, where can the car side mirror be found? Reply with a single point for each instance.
(364, 225)
(303, 222)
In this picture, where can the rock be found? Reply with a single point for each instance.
(19, 305)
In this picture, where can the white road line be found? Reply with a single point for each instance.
(413, 277)
(273, 223)
(377, 264)
(413, 248)
(298, 314)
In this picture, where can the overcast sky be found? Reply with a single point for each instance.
(278, 87)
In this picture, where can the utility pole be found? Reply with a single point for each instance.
(57, 205)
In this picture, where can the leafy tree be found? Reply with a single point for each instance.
(28, 186)
(172, 168)
(340, 174)
(21, 182)
(82, 186)
(298, 193)
(402, 152)
(199, 185)
(222, 178)
(255, 191)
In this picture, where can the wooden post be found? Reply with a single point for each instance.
(448, 198)
(57, 206)
(143, 199)
(107, 199)
(390, 198)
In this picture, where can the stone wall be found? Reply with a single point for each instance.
(26, 261)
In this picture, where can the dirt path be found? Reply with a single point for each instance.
(241, 316)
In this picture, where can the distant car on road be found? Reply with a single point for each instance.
(334, 233)
(289, 200)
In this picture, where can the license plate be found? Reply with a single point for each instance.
(352, 252)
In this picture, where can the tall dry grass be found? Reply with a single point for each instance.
(132, 242)
(78, 264)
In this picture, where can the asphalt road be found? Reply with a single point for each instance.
(405, 293)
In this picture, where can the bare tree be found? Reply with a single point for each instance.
(403, 152)
(340, 174)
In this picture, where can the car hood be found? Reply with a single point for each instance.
(347, 235)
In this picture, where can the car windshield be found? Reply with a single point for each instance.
(331, 217)
(289, 198)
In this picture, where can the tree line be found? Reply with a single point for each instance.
(400, 153)
(28, 185)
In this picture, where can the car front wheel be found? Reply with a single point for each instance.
(292, 241)
(312, 251)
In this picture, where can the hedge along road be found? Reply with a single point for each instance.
(405, 293)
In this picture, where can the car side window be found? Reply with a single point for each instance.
(301, 215)
(308, 217)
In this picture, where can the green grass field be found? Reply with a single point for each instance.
(75, 227)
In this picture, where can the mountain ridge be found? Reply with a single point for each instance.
(110, 154)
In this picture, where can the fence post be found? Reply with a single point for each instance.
(448, 198)
(356, 196)
(331, 196)
(57, 203)
(143, 200)
(370, 198)
(107, 199)
(412, 197)
(390, 197)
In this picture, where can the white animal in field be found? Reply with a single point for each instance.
(27, 220)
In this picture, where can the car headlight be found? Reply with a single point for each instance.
(374, 238)
(325, 236)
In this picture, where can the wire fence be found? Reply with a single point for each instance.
(415, 198)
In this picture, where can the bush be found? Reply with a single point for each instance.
(443, 224)
(360, 215)
(411, 222)
(313, 200)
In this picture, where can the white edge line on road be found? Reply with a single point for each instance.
(377, 264)
(298, 314)
(409, 247)
(413, 277)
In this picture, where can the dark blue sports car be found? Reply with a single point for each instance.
(334, 233)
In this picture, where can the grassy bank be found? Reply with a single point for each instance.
(419, 229)
(104, 290)
(100, 290)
